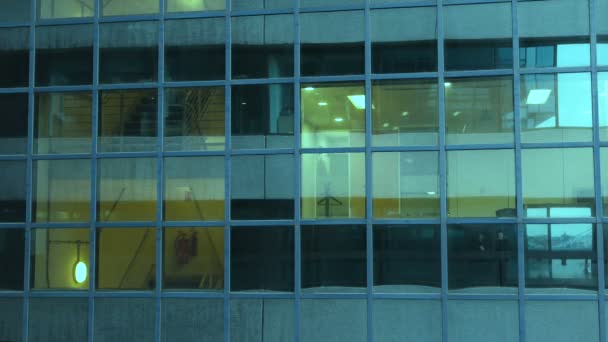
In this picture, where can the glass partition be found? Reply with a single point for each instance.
(129, 7)
(13, 11)
(14, 56)
(13, 131)
(55, 9)
(13, 185)
(196, 5)
(12, 259)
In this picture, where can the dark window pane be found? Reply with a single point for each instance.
(58, 319)
(407, 258)
(556, 108)
(13, 131)
(545, 44)
(14, 57)
(262, 46)
(12, 245)
(12, 196)
(12, 11)
(53, 9)
(332, 43)
(128, 52)
(261, 320)
(126, 189)
(260, 4)
(127, 7)
(262, 259)
(194, 188)
(334, 320)
(63, 123)
(476, 320)
(196, 6)
(422, 317)
(126, 258)
(193, 258)
(479, 110)
(405, 112)
(562, 321)
(187, 319)
(194, 49)
(11, 314)
(262, 187)
(411, 50)
(333, 258)
(482, 41)
(127, 120)
(64, 55)
(482, 258)
(124, 319)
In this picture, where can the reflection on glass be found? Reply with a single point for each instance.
(333, 114)
(12, 196)
(12, 11)
(479, 110)
(260, 4)
(12, 246)
(262, 46)
(554, 320)
(63, 317)
(194, 119)
(602, 31)
(560, 256)
(194, 49)
(196, 5)
(127, 120)
(481, 183)
(13, 131)
(556, 107)
(262, 187)
(194, 188)
(482, 258)
(128, 319)
(60, 259)
(262, 116)
(604, 177)
(558, 178)
(63, 123)
(126, 189)
(128, 52)
(544, 42)
(334, 319)
(333, 185)
(126, 258)
(411, 50)
(407, 258)
(261, 259)
(14, 56)
(127, 7)
(333, 258)
(602, 50)
(602, 99)
(192, 319)
(421, 315)
(332, 43)
(482, 41)
(62, 190)
(475, 320)
(193, 258)
(405, 184)
(53, 9)
(329, 3)
(261, 320)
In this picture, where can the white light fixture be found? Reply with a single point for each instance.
(405, 114)
(385, 124)
(80, 272)
(357, 100)
(322, 103)
(431, 193)
(243, 103)
(538, 96)
(447, 84)
(309, 88)
(338, 119)
(455, 114)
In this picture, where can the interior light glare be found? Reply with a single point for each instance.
(80, 272)
(338, 119)
(357, 100)
(538, 96)
(323, 104)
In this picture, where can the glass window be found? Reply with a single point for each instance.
(604, 177)
(411, 50)
(602, 99)
(479, 110)
(128, 7)
(330, 3)
(558, 182)
(423, 319)
(262, 116)
(53, 9)
(64, 319)
(196, 5)
(262, 320)
(260, 4)
(602, 32)
(60, 259)
(128, 52)
(405, 112)
(332, 43)
(405, 184)
(13, 131)
(64, 55)
(193, 258)
(14, 11)
(334, 320)
(12, 257)
(195, 49)
(407, 259)
(262, 46)
(127, 319)
(126, 189)
(262, 187)
(12, 196)
(481, 183)
(188, 319)
(556, 108)
(194, 119)
(333, 185)
(127, 120)
(482, 258)
(333, 114)
(10, 318)
(553, 33)
(126, 258)
(194, 188)
(333, 258)
(562, 321)
(475, 320)
(262, 259)
(560, 257)
(14, 56)
(63, 123)
(62, 190)
(482, 41)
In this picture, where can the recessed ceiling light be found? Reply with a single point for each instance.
(243, 103)
(338, 119)
(538, 96)
(447, 84)
(357, 100)
(455, 114)
(309, 88)
(385, 125)
(322, 103)
(431, 193)
(405, 114)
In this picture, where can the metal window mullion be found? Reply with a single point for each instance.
(368, 174)
(297, 177)
(227, 148)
